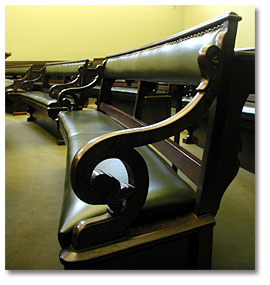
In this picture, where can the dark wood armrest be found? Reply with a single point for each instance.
(57, 88)
(74, 97)
(18, 82)
(29, 84)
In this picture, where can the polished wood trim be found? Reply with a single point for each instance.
(10, 63)
(145, 237)
(180, 157)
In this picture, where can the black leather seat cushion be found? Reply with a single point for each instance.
(39, 97)
(168, 194)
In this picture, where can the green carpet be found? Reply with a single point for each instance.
(234, 233)
(35, 169)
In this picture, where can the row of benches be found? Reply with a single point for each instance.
(158, 104)
(37, 88)
(126, 202)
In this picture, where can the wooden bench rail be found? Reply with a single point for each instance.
(171, 150)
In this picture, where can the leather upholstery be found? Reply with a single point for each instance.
(39, 97)
(173, 62)
(18, 70)
(64, 69)
(167, 194)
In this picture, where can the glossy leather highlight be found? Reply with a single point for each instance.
(64, 69)
(173, 62)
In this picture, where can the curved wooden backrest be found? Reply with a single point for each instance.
(67, 68)
(169, 62)
(17, 70)
(172, 60)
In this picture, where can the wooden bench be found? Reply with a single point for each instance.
(125, 206)
(19, 71)
(13, 102)
(19, 74)
(41, 92)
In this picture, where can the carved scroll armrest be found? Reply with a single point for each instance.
(18, 82)
(73, 97)
(124, 200)
(29, 84)
(57, 88)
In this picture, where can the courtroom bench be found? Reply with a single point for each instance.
(124, 205)
(41, 91)
(13, 102)
(18, 73)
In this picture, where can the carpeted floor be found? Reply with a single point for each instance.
(35, 169)
(34, 178)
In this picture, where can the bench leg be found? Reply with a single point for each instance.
(30, 110)
(201, 250)
(14, 105)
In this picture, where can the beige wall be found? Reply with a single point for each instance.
(74, 32)
(196, 14)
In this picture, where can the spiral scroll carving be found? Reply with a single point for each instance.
(56, 89)
(210, 62)
(124, 201)
(73, 98)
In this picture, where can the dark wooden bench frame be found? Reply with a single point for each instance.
(222, 87)
(17, 74)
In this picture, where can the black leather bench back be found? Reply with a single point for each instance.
(64, 68)
(172, 61)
